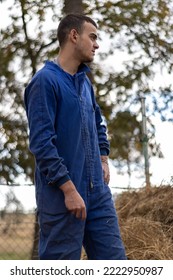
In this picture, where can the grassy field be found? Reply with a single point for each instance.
(16, 236)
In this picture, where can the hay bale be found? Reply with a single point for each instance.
(146, 240)
(146, 223)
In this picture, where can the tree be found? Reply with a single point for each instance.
(20, 54)
(141, 29)
(20, 45)
(142, 32)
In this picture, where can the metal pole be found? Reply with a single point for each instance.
(145, 143)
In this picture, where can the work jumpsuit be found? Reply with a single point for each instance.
(67, 138)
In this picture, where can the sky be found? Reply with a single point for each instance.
(161, 169)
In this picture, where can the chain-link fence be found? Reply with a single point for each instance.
(18, 225)
(16, 235)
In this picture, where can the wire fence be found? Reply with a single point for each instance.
(16, 235)
(18, 223)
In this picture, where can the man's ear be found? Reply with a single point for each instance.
(73, 35)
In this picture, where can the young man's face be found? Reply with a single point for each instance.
(86, 44)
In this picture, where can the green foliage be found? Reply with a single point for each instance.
(125, 133)
(141, 33)
(24, 45)
(143, 30)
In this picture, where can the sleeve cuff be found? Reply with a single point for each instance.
(60, 182)
(104, 152)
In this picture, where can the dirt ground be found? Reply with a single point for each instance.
(146, 223)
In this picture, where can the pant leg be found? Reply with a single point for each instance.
(61, 237)
(102, 239)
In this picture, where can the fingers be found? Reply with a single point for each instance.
(75, 204)
(107, 178)
(80, 213)
(106, 172)
(78, 208)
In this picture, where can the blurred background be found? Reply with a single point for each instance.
(132, 78)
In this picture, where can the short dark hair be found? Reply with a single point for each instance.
(69, 22)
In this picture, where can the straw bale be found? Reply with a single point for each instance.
(146, 223)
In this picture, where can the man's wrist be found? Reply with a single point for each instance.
(67, 187)
(104, 159)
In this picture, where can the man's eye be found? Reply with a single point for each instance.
(93, 38)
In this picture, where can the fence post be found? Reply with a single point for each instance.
(145, 143)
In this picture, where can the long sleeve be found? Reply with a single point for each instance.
(41, 108)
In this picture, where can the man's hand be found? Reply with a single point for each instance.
(73, 200)
(105, 167)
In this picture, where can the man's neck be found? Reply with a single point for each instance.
(67, 63)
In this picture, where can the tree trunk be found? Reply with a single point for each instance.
(73, 6)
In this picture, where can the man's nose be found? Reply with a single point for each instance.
(96, 45)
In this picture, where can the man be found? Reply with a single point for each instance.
(68, 140)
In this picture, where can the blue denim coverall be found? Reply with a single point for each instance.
(67, 138)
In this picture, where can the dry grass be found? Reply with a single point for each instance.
(146, 223)
(16, 236)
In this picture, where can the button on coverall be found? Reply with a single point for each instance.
(67, 138)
